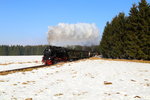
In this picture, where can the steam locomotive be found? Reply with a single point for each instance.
(53, 54)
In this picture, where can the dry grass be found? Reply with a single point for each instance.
(139, 61)
(4, 64)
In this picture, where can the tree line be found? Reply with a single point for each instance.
(22, 50)
(38, 49)
(128, 37)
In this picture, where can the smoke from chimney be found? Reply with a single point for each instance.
(83, 34)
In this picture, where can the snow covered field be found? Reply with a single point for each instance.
(81, 80)
(14, 62)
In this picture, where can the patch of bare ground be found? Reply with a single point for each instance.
(125, 95)
(28, 99)
(24, 83)
(59, 94)
(89, 75)
(14, 84)
(59, 81)
(145, 79)
(147, 84)
(133, 80)
(74, 76)
(28, 82)
(137, 97)
(13, 98)
(143, 70)
(79, 94)
(2, 81)
(107, 83)
(107, 94)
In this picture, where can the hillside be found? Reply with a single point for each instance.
(81, 80)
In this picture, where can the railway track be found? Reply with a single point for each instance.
(6, 72)
(21, 69)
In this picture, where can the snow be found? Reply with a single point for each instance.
(81, 80)
(15, 62)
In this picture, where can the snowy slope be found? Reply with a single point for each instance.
(81, 80)
(14, 62)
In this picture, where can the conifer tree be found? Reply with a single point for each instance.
(144, 28)
(128, 37)
(112, 41)
(131, 43)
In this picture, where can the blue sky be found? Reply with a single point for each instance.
(25, 22)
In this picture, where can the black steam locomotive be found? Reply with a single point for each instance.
(53, 54)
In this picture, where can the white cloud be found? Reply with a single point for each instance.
(73, 34)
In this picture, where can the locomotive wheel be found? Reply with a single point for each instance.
(54, 62)
(70, 60)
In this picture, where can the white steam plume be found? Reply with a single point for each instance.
(73, 34)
